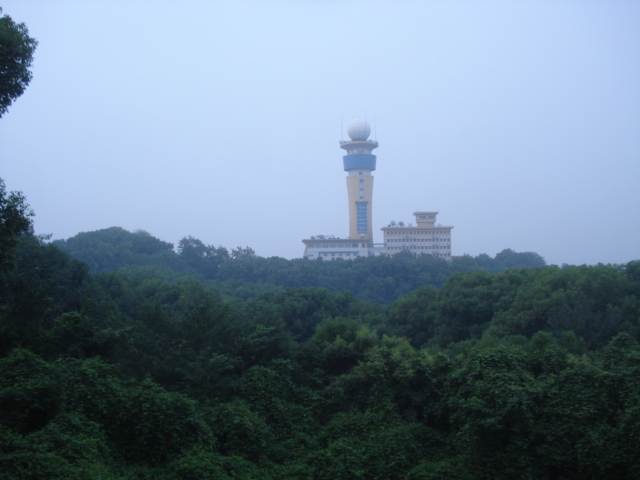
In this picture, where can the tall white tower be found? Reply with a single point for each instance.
(359, 162)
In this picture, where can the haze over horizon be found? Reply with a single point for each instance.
(518, 122)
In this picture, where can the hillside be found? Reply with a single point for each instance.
(241, 273)
(527, 373)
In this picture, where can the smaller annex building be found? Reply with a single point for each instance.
(426, 238)
(330, 247)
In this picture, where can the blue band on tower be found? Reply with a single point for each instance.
(359, 161)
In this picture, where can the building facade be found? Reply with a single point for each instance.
(426, 238)
(330, 248)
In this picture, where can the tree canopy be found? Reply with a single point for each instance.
(122, 358)
(480, 372)
(16, 55)
(243, 274)
(15, 220)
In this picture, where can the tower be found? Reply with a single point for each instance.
(359, 162)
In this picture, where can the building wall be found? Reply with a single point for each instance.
(424, 239)
(435, 241)
(360, 193)
(331, 249)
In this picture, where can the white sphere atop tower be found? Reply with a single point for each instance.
(359, 129)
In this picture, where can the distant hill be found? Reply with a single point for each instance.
(110, 249)
(241, 273)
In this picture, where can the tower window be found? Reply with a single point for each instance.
(361, 217)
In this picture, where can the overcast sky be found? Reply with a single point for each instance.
(518, 121)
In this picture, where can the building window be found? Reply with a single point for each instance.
(361, 217)
(361, 181)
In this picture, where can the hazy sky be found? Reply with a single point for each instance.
(518, 121)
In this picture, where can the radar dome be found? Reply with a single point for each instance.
(359, 129)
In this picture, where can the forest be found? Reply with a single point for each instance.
(124, 358)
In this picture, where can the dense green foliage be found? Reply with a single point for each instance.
(123, 359)
(15, 219)
(16, 55)
(150, 367)
(242, 274)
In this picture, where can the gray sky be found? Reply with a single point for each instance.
(518, 121)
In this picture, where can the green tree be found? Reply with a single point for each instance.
(410, 316)
(242, 253)
(44, 284)
(204, 258)
(369, 445)
(15, 220)
(510, 259)
(200, 463)
(16, 55)
(114, 248)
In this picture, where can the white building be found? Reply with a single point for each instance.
(426, 238)
(330, 248)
